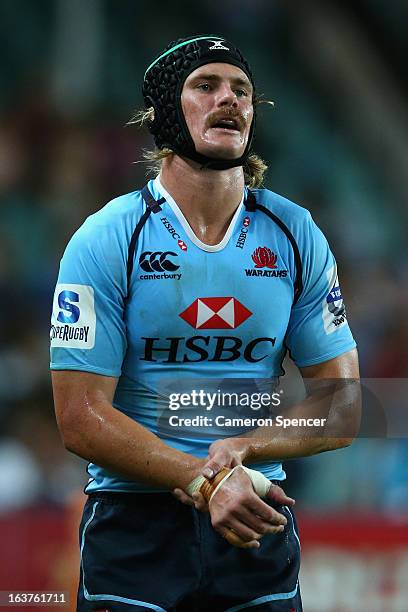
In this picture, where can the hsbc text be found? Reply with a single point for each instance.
(206, 348)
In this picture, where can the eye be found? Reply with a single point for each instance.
(204, 86)
(241, 93)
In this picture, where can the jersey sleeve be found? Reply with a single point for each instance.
(318, 328)
(88, 330)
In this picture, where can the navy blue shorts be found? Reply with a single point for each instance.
(147, 551)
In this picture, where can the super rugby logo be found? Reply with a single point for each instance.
(263, 257)
(73, 321)
(209, 313)
(158, 261)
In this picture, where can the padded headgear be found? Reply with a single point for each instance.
(163, 84)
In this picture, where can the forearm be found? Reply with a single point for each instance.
(110, 439)
(334, 411)
(261, 446)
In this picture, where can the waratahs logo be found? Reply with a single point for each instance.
(263, 257)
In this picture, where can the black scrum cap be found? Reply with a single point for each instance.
(162, 86)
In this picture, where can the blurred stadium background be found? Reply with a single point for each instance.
(337, 143)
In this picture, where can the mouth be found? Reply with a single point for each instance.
(228, 125)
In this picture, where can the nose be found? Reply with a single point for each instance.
(226, 96)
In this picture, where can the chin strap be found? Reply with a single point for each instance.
(209, 163)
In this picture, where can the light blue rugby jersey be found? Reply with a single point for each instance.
(175, 308)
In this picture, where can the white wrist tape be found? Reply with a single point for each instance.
(195, 485)
(260, 483)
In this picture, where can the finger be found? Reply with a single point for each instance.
(278, 495)
(199, 502)
(212, 467)
(235, 540)
(255, 523)
(265, 512)
(183, 497)
(245, 533)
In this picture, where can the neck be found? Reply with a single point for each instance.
(207, 198)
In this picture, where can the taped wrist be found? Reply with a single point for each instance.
(208, 488)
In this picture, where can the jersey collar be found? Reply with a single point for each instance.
(158, 188)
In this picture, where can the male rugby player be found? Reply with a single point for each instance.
(196, 275)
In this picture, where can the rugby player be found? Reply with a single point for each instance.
(199, 274)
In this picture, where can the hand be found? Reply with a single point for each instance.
(222, 453)
(227, 453)
(240, 516)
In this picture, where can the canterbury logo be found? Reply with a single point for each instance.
(218, 45)
(157, 261)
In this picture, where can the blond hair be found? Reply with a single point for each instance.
(254, 166)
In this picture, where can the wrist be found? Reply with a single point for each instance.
(207, 488)
(191, 472)
(243, 448)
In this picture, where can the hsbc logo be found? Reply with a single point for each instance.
(209, 313)
(206, 348)
(181, 244)
(215, 313)
(243, 233)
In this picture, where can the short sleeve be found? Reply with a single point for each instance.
(87, 325)
(318, 328)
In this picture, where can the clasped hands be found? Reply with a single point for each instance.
(237, 511)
